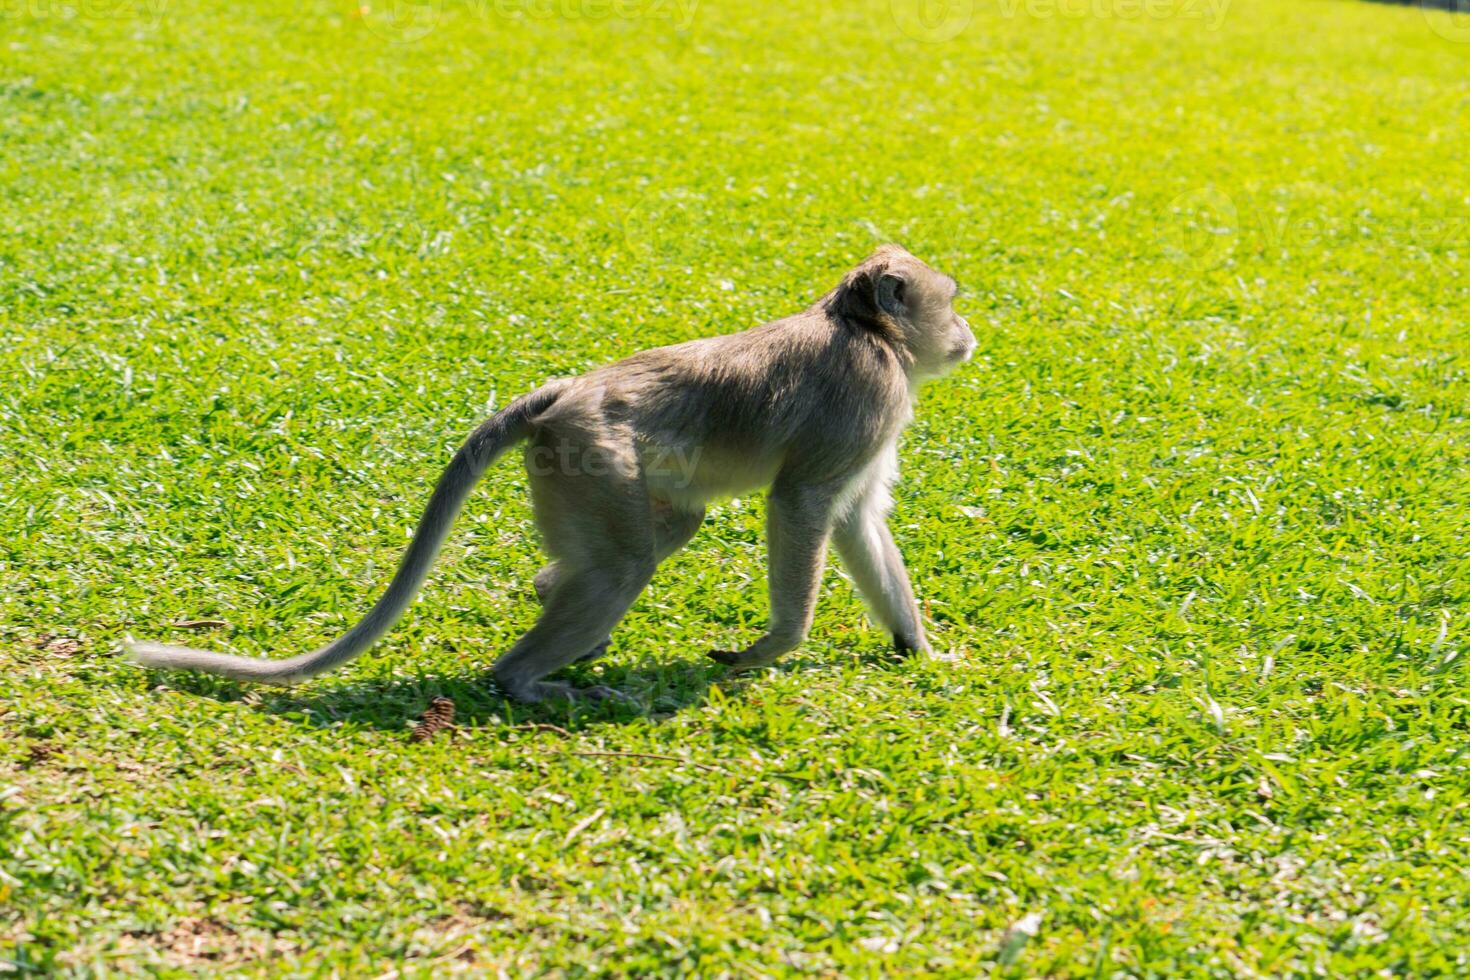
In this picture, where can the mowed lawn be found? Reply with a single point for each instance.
(1190, 531)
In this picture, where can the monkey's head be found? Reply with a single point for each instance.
(907, 304)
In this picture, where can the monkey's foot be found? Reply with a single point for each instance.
(598, 651)
(741, 659)
(601, 692)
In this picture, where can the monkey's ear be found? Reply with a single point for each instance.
(891, 294)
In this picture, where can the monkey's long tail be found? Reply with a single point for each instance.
(484, 445)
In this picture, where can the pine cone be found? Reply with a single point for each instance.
(439, 714)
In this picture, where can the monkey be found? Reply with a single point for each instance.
(623, 460)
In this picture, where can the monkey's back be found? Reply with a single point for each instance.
(723, 415)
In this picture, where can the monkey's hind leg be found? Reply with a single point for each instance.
(581, 609)
(543, 583)
(596, 523)
(672, 530)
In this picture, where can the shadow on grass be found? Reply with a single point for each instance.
(658, 689)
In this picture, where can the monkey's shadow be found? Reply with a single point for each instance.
(656, 690)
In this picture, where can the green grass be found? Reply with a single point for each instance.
(1191, 527)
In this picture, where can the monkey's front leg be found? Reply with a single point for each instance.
(798, 524)
(872, 559)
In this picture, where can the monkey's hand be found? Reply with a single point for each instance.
(906, 647)
(762, 652)
(739, 659)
